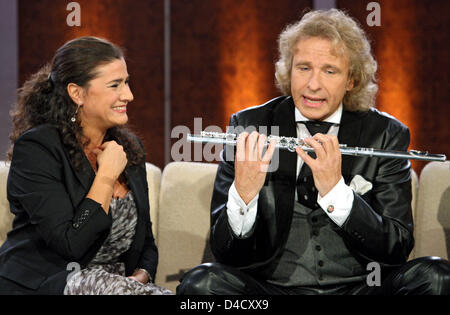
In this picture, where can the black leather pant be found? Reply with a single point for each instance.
(421, 276)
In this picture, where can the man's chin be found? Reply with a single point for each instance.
(313, 113)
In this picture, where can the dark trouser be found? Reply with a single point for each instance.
(421, 276)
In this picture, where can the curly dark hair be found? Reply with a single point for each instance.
(43, 99)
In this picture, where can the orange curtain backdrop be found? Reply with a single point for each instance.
(43, 27)
(411, 47)
(398, 54)
(248, 49)
(246, 72)
(398, 57)
(222, 56)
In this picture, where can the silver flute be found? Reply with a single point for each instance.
(291, 144)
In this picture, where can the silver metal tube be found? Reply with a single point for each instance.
(291, 144)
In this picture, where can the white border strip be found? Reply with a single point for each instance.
(9, 74)
(167, 83)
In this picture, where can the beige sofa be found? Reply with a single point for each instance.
(180, 197)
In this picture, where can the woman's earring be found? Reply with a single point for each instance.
(74, 118)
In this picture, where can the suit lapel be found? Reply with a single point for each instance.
(284, 119)
(349, 134)
(285, 176)
(138, 188)
(85, 174)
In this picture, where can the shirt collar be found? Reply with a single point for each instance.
(335, 118)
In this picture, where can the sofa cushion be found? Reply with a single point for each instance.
(154, 187)
(6, 217)
(432, 221)
(184, 219)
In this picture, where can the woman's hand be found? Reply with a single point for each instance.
(140, 275)
(111, 159)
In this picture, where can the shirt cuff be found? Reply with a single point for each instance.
(241, 217)
(338, 203)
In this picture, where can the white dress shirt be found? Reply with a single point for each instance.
(241, 216)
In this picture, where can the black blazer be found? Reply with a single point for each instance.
(55, 224)
(379, 227)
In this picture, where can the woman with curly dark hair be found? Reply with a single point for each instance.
(77, 182)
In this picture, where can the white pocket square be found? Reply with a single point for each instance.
(360, 185)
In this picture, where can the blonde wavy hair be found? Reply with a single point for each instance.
(339, 28)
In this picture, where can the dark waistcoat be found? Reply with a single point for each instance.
(315, 253)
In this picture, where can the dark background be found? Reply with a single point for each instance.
(223, 52)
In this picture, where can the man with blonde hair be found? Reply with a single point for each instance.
(315, 224)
